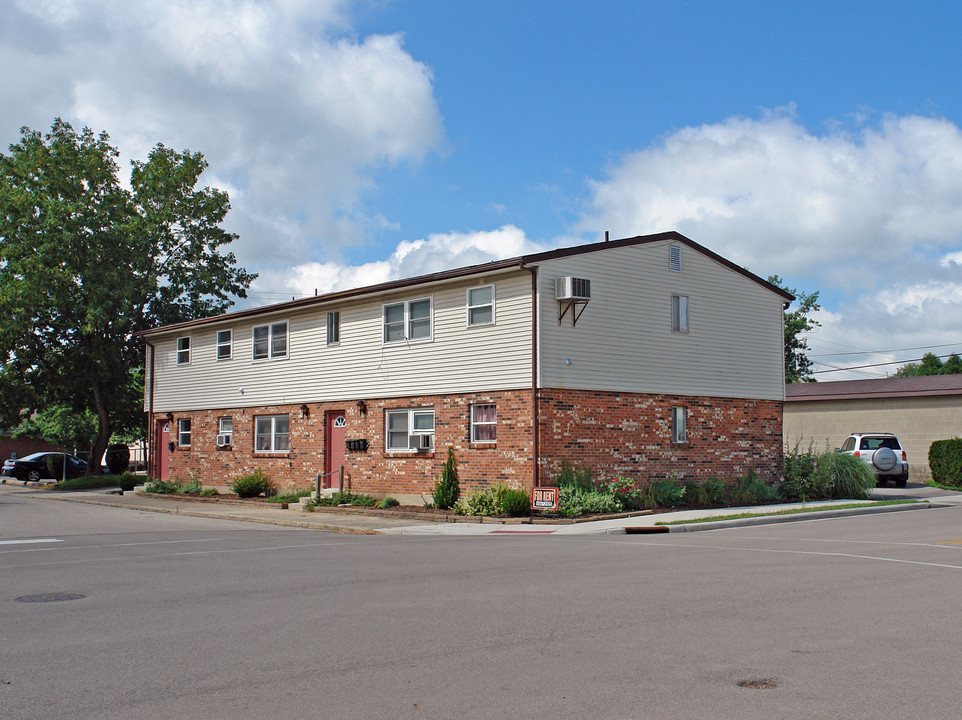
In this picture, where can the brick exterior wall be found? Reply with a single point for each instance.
(373, 471)
(629, 435)
(614, 434)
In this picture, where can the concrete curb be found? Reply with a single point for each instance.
(772, 519)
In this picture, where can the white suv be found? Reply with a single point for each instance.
(883, 452)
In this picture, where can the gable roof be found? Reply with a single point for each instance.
(521, 262)
(925, 385)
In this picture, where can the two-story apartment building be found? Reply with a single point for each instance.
(644, 357)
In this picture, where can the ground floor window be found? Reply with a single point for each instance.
(409, 429)
(272, 433)
(183, 432)
(679, 432)
(484, 423)
(225, 431)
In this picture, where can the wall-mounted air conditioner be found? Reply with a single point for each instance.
(572, 288)
(422, 443)
(223, 440)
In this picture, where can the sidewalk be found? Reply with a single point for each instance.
(346, 522)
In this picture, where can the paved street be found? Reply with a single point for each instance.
(202, 618)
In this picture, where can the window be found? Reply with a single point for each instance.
(183, 350)
(481, 305)
(484, 423)
(679, 313)
(183, 432)
(407, 321)
(225, 431)
(674, 258)
(679, 433)
(225, 344)
(333, 327)
(270, 341)
(411, 429)
(272, 433)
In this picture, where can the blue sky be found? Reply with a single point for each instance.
(362, 141)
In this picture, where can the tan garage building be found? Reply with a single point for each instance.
(917, 409)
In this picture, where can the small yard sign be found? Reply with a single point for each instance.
(544, 498)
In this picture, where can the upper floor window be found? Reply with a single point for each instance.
(270, 341)
(183, 350)
(183, 432)
(409, 429)
(679, 313)
(484, 423)
(679, 422)
(333, 327)
(272, 433)
(410, 320)
(225, 344)
(481, 305)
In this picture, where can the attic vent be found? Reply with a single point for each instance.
(674, 258)
(572, 288)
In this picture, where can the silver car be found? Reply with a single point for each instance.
(883, 453)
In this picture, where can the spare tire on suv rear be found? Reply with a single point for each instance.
(884, 459)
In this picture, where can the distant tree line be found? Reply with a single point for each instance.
(931, 364)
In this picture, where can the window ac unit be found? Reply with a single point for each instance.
(422, 442)
(223, 440)
(572, 288)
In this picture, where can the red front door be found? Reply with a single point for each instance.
(334, 436)
(163, 448)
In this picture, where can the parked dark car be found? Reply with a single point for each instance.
(34, 467)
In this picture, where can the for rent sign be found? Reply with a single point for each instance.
(544, 498)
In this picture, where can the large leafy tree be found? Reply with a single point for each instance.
(798, 322)
(85, 263)
(931, 364)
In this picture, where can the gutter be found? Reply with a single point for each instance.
(535, 424)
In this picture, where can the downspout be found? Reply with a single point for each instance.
(535, 420)
(151, 429)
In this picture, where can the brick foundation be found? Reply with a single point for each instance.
(629, 435)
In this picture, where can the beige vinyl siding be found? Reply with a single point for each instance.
(457, 359)
(624, 342)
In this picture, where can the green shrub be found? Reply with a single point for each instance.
(576, 477)
(209, 492)
(290, 497)
(127, 481)
(945, 461)
(387, 502)
(627, 494)
(576, 501)
(476, 503)
(162, 487)
(190, 487)
(667, 493)
(511, 501)
(447, 489)
(749, 490)
(252, 485)
(348, 498)
(852, 478)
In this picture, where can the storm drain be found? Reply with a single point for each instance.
(759, 683)
(50, 597)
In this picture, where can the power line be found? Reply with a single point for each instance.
(893, 362)
(877, 352)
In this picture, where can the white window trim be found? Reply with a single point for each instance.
(406, 304)
(229, 344)
(676, 313)
(273, 449)
(469, 306)
(411, 430)
(270, 341)
(679, 425)
(337, 314)
(475, 424)
(220, 427)
(178, 350)
(181, 432)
